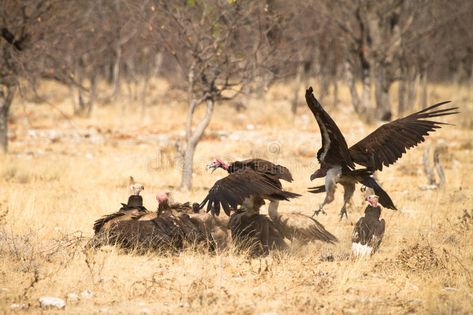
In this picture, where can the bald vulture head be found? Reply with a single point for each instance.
(217, 163)
(136, 189)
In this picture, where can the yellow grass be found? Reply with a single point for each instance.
(63, 173)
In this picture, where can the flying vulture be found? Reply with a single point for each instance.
(369, 230)
(273, 172)
(231, 191)
(382, 147)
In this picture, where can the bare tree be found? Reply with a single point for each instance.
(219, 47)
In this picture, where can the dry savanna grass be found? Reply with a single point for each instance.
(63, 173)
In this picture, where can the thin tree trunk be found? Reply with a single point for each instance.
(116, 72)
(424, 90)
(360, 105)
(5, 104)
(193, 138)
(295, 97)
(382, 85)
(411, 90)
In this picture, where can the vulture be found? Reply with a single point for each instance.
(132, 210)
(246, 178)
(369, 230)
(169, 228)
(382, 147)
(275, 172)
(254, 232)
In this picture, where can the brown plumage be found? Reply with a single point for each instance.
(388, 143)
(231, 191)
(384, 146)
(133, 210)
(368, 232)
(213, 227)
(255, 233)
(302, 227)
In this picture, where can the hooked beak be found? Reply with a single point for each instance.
(211, 167)
(318, 174)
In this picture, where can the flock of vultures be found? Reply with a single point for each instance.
(174, 226)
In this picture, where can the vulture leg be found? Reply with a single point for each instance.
(331, 180)
(349, 189)
(273, 209)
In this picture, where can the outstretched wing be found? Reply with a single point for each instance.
(265, 167)
(107, 220)
(303, 227)
(388, 143)
(231, 191)
(334, 146)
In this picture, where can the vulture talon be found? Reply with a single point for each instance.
(316, 212)
(343, 212)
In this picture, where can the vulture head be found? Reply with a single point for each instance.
(321, 172)
(217, 163)
(372, 200)
(136, 189)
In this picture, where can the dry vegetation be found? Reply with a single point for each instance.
(63, 173)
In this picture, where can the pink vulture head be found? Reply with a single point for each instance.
(162, 196)
(217, 163)
(372, 200)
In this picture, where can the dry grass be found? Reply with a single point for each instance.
(64, 173)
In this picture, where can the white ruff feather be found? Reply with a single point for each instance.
(361, 250)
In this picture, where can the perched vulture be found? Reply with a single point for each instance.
(384, 146)
(232, 190)
(369, 230)
(273, 172)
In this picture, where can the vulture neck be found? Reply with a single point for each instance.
(163, 206)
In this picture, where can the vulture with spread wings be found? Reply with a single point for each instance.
(231, 191)
(382, 147)
(273, 172)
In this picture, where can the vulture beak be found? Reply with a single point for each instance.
(318, 174)
(212, 167)
(373, 200)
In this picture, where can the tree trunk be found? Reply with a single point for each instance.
(5, 104)
(295, 97)
(382, 86)
(192, 140)
(360, 105)
(424, 98)
(116, 72)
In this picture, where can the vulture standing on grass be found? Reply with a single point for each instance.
(274, 172)
(369, 230)
(384, 146)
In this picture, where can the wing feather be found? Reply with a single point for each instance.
(231, 191)
(334, 149)
(388, 143)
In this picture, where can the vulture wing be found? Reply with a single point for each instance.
(334, 149)
(231, 191)
(106, 222)
(263, 166)
(388, 143)
(302, 227)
